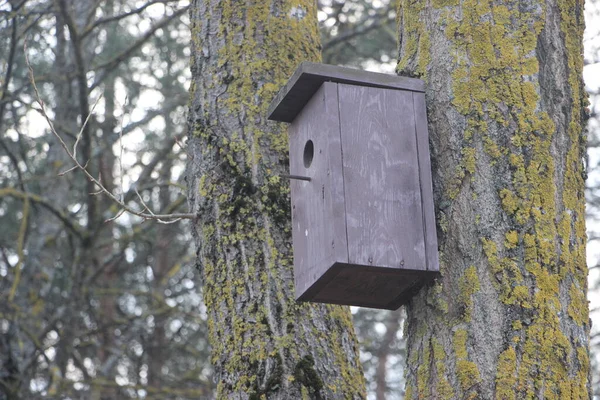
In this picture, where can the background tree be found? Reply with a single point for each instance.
(358, 33)
(265, 345)
(508, 318)
(89, 308)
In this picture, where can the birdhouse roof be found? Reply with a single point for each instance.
(308, 77)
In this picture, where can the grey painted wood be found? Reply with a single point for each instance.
(431, 245)
(381, 178)
(364, 286)
(363, 227)
(318, 222)
(308, 77)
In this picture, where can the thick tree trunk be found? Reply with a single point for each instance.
(265, 345)
(508, 317)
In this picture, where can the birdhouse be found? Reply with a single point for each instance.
(363, 225)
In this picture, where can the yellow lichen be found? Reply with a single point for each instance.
(539, 250)
(512, 239)
(444, 390)
(578, 305)
(469, 285)
(467, 371)
(423, 372)
(506, 378)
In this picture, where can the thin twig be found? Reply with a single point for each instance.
(80, 134)
(121, 212)
(121, 145)
(70, 224)
(161, 218)
(107, 67)
(114, 18)
(74, 167)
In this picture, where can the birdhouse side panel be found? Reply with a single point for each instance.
(431, 247)
(381, 178)
(318, 210)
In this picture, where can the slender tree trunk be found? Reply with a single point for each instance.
(265, 345)
(58, 190)
(392, 325)
(162, 263)
(109, 277)
(508, 317)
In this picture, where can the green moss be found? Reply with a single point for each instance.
(520, 296)
(517, 325)
(416, 41)
(307, 376)
(469, 159)
(492, 148)
(408, 394)
(510, 202)
(436, 298)
(443, 390)
(444, 3)
(353, 380)
(423, 371)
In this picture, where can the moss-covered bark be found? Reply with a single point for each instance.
(265, 345)
(508, 317)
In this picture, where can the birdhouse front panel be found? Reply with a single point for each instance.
(363, 225)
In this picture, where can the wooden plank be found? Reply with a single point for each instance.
(381, 178)
(307, 79)
(431, 246)
(374, 287)
(318, 222)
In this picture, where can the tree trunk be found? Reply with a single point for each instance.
(392, 325)
(265, 345)
(508, 317)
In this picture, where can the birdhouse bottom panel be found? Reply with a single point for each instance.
(366, 286)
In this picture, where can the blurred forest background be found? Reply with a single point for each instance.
(101, 305)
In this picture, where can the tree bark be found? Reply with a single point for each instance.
(265, 345)
(508, 317)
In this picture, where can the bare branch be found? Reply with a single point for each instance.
(80, 134)
(82, 94)
(110, 65)
(119, 17)
(362, 29)
(44, 203)
(121, 149)
(161, 218)
(73, 168)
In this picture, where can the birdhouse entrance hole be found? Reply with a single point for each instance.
(309, 152)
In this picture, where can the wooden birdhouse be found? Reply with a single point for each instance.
(362, 203)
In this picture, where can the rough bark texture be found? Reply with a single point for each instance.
(265, 345)
(508, 317)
